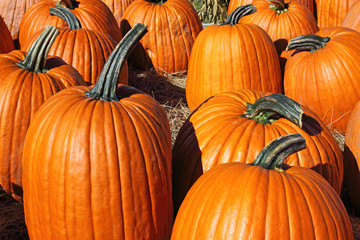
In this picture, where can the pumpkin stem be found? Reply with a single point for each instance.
(105, 87)
(66, 15)
(267, 109)
(240, 12)
(309, 42)
(160, 2)
(72, 4)
(274, 154)
(279, 6)
(35, 59)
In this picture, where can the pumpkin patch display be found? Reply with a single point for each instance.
(323, 74)
(235, 126)
(232, 56)
(7, 44)
(97, 161)
(352, 18)
(27, 80)
(263, 200)
(173, 27)
(84, 49)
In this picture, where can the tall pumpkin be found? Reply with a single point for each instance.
(7, 44)
(93, 14)
(84, 49)
(231, 57)
(173, 27)
(352, 18)
(235, 126)
(331, 13)
(97, 161)
(263, 200)
(26, 81)
(324, 76)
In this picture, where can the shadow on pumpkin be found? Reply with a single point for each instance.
(280, 46)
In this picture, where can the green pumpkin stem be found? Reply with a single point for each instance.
(66, 15)
(35, 59)
(240, 12)
(265, 108)
(105, 87)
(279, 6)
(309, 42)
(274, 154)
(160, 2)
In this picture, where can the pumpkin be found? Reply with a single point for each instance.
(263, 200)
(332, 13)
(7, 44)
(352, 18)
(84, 49)
(27, 80)
(173, 27)
(232, 56)
(118, 7)
(93, 14)
(235, 126)
(98, 160)
(324, 76)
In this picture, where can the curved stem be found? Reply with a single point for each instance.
(279, 6)
(265, 108)
(240, 12)
(309, 42)
(35, 59)
(66, 15)
(105, 87)
(274, 154)
(67, 3)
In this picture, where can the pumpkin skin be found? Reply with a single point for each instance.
(352, 19)
(118, 7)
(215, 134)
(173, 27)
(317, 80)
(22, 92)
(231, 57)
(332, 13)
(243, 201)
(7, 44)
(109, 160)
(93, 14)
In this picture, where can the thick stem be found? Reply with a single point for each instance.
(35, 59)
(266, 108)
(274, 154)
(279, 6)
(240, 12)
(160, 2)
(66, 15)
(105, 87)
(309, 42)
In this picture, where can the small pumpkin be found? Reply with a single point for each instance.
(263, 200)
(7, 44)
(98, 160)
(26, 81)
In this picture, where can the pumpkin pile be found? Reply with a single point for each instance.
(88, 153)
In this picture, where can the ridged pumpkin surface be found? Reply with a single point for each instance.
(118, 7)
(239, 201)
(332, 13)
(327, 80)
(173, 27)
(231, 57)
(352, 18)
(7, 44)
(216, 133)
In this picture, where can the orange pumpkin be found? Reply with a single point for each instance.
(235, 126)
(263, 200)
(7, 44)
(98, 160)
(352, 18)
(323, 76)
(332, 13)
(231, 57)
(27, 80)
(118, 7)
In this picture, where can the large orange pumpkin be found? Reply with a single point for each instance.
(263, 200)
(97, 161)
(232, 56)
(173, 27)
(93, 14)
(7, 44)
(352, 18)
(235, 126)
(332, 13)
(84, 49)
(26, 81)
(324, 76)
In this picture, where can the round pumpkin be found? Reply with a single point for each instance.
(173, 27)
(235, 126)
(97, 161)
(93, 14)
(263, 200)
(7, 44)
(352, 18)
(27, 80)
(323, 74)
(332, 13)
(232, 56)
